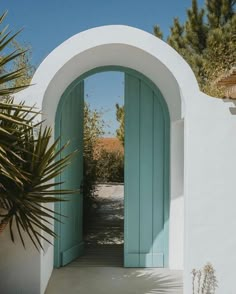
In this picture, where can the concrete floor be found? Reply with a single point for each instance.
(114, 280)
(100, 271)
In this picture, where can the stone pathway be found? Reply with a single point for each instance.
(106, 223)
(104, 236)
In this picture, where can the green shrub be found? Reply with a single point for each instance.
(110, 167)
(93, 129)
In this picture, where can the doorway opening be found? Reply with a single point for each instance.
(146, 173)
(103, 169)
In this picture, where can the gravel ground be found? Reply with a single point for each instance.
(106, 223)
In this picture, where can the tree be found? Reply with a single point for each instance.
(176, 39)
(219, 12)
(23, 61)
(8, 77)
(219, 56)
(158, 32)
(206, 41)
(93, 129)
(120, 116)
(195, 29)
(110, 166)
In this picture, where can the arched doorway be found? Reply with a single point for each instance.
(147, 131)
(133, 48)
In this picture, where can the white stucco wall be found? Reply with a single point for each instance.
(176, 229)
(202, 147)
(46, 268)
(210, 161)
(19, 267)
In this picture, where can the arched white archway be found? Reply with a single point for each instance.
(208, 153)
(114, 45)
(131, 48)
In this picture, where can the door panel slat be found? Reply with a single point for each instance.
(132, 213)
(145, 176)
(71, 129)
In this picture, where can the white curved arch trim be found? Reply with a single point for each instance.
(113, 45)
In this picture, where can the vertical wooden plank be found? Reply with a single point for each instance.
(132, 233)
(65, 135)
(146, 175)
(57, 205)
(79, 221)
(71, 243)
(158, 185)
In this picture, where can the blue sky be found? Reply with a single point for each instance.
(47, 23)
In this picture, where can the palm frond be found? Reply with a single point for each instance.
(28, 163)
(41, 163)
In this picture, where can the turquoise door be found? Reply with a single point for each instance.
(146, 172)
(69, 126)
(146, 175)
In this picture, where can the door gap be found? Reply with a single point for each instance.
(103, 186)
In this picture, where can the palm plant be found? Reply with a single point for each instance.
(9, 112)
(27, 173)
(28, 163)
(7, 78)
